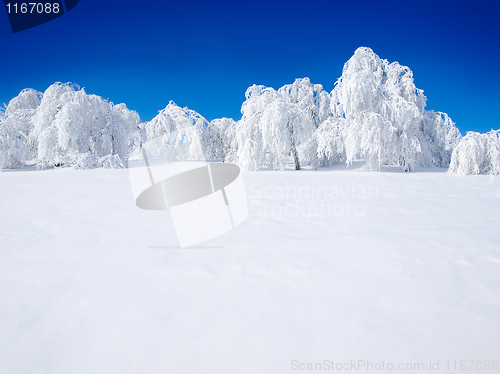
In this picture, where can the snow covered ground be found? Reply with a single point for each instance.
(331, 265)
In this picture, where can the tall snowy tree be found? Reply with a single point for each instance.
(385, 120)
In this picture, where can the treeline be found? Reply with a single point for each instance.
(375, 113)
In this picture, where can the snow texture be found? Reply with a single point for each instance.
(332, 265)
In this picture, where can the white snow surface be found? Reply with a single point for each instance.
(392, 267)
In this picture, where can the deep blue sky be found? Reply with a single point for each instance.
(204, 55)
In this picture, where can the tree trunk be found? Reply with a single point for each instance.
(295, 156)
(293, 148)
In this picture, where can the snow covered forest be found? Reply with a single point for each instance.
(375, 114)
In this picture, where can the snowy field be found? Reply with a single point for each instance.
(332, 265)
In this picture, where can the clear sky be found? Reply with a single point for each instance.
(204, 55)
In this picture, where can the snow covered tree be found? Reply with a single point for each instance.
(309, 98)
(477, 154)
(176, 134)
(385, 120)
(246, 147)
(72, 128)
(16, 149)
(440, 137)
(216, 138)
(276, 124)
(264, 137)
(375, 113)
(326, 147)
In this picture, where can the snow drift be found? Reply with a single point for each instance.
(91, 284)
